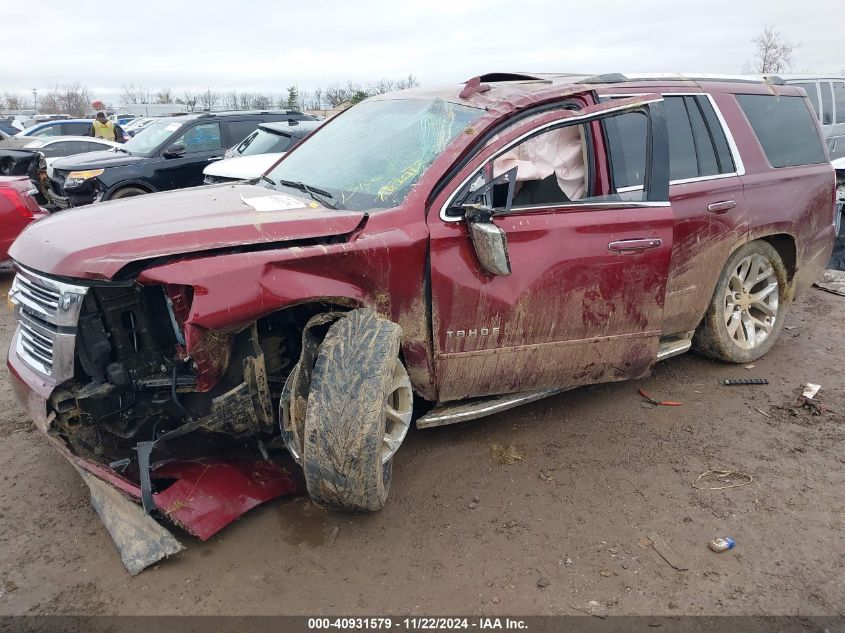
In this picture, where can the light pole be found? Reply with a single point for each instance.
(35, 99)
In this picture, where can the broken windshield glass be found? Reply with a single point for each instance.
(373, 154)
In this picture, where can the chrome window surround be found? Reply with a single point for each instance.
(569, 205)
(739, 166)
(47, 311)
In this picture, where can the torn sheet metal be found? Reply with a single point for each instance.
(202, 496)
(209, 494)
(140, 540)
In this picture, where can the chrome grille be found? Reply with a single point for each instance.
(37, 347)
(47, 299)
(47, 311)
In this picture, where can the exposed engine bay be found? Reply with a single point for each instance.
(133, 380)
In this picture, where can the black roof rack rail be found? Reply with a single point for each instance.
(614, 78)
(496, 77)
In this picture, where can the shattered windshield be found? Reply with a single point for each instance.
(373, 154)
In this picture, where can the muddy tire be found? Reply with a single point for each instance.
(127, 192)
(359, 409)
(746, 313)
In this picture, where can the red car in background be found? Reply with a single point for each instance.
(17, 209)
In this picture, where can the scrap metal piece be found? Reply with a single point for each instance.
(832, 281)
(659, 544)
(732, 382)
(140, 540)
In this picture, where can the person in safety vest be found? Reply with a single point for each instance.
(105, 129)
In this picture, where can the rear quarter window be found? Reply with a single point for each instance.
(785, 128)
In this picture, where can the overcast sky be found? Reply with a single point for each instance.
(267, 45)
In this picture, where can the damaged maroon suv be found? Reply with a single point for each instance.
(430, 256)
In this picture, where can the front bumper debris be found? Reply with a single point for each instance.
(200, 495)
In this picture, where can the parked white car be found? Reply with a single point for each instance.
(60, 146)
(259, 151)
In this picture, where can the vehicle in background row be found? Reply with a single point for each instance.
(61, 127)
(18, 209)
(440, 253)
(8, 128)
(135, 126)
(153, 109)
(837, 259)
(122, 119)
(23, 156)
(170, 154)
(827, 94)
(259, 151)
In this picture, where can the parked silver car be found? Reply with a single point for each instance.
(827, 94)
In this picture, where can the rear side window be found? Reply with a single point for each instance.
(839, 100)
(827, 103)
(697, 143)
(76, 128)
(812, 92)
(50, 130)
(682, 161)
(239, 130)
(785, 129)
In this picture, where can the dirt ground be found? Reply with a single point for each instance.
(594, 474)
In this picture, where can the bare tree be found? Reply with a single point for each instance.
(773, 52)
(134, 94)
(12, 102)
(74, 100)
(231, 100)
(262, 102)
(164, 96)
(208, 99)
(190, 100)
(408, 82)
(381, 86)
(304, 99)
(70, 99)
(314, 101)
(335, 95)
(246, 100)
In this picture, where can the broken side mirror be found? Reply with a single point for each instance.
(177, 150)
(490, 242)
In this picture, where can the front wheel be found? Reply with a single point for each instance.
(127, 192)
(748, 307)
(359, 409)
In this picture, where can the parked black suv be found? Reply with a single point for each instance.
(169, 154)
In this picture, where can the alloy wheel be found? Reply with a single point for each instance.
(751, 301)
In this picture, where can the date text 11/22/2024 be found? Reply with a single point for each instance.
(417, 624)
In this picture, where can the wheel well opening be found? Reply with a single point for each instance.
(134, 185)
(280, 338)
(785, 246)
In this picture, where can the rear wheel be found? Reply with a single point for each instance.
(359, 409)
(748, 306)
(127, 192)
